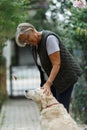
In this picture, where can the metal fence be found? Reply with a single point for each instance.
(22, 78)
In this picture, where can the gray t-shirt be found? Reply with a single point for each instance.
(52, 44)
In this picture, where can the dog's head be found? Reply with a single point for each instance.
(35, 95)
(40, 98)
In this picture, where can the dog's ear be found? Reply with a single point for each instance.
(43, 100)
(38, 99)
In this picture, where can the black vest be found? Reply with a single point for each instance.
(69, 70)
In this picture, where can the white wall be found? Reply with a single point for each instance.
(7, 52)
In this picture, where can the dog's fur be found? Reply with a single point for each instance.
(53, 114)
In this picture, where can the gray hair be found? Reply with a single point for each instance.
(21, 29)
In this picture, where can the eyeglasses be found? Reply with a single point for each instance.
(22, 30)
(24, 36)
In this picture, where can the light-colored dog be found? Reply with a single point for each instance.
(53, 114)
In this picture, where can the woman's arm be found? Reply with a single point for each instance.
(56, 62)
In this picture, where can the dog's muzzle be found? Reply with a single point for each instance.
(26, 91)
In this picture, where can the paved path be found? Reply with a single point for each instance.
(21, 114)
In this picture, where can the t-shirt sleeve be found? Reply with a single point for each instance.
(52, 44)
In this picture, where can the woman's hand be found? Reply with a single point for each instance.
(46, 88)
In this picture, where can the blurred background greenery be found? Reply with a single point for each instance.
(60, 16)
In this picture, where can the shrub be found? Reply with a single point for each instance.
(79, 102)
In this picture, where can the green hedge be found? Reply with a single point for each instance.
(79, 102)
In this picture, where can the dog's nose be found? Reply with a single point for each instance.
(26, 91)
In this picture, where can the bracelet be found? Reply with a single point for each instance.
(50, 81)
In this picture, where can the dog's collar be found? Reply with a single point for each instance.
(51, 105)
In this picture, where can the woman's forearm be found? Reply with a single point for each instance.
(53, 74)
(56, 62)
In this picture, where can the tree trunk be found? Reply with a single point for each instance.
(3, 89)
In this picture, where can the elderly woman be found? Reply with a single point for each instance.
(58, 69)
